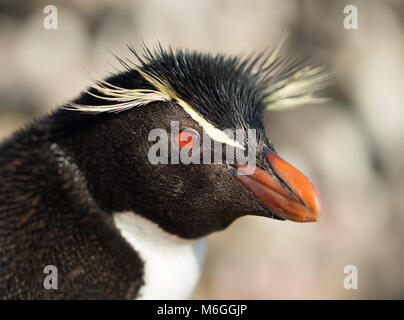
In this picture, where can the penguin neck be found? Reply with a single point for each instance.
(172, 265)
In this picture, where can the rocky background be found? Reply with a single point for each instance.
(352, 146)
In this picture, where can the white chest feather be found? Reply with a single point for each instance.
(172, 265)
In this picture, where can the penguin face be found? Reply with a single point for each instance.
(189, 200)
(206, 98)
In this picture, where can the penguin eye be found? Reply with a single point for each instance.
(187, 138)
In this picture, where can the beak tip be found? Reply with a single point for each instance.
(308, 217)
(317, 208)
(316, 218)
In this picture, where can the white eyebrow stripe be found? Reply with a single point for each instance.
(215, 133)
(130, 98)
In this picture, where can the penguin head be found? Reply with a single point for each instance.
(179, 139)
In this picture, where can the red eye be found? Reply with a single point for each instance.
(187, 138)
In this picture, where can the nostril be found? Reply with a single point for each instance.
(266, 149)
(267, 152)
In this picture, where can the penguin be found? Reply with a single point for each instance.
(92, 205)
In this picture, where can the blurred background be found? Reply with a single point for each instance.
(351, 147)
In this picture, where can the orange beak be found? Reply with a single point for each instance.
(288, 193)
